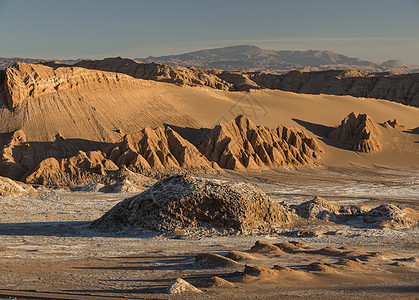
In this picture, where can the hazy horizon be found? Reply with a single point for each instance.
(374, 30)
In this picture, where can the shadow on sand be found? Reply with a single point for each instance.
(322, 132)
(193, 135)
(63, 229)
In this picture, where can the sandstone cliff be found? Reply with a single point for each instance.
(398, 88)
(240, 144)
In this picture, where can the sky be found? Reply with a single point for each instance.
(375, 30)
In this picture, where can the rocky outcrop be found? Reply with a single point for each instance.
(321, 209)
(160, 148)
(9, 187)
(240, 144)
(392, 124)
(195, 205)
(77, 170)
(16, 155)
(383, 216)
(158, 72)
(398, 88)
(24, 82)
(358, 83)
(392, 216)
(361, 131)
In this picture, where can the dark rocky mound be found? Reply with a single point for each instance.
(183, 203)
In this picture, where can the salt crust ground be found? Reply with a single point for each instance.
(45, 243)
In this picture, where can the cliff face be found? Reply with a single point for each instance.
(398, 88)
(25, 81)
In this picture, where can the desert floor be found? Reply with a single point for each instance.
(46, 247)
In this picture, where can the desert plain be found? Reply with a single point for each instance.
(119, 178)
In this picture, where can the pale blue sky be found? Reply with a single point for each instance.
(375, 30)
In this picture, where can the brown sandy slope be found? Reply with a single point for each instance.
(91, 108)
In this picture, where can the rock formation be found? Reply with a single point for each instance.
(180, 286)
(240, 144)
(320, 208)
(27, 81)
(216, 281)
(160, 148)
(361, 131)
(392, 216)
(16, 155)
(384, 215)
(9, 187)
(157, 72)
(80, 169)
(265, 247)
(398, 88)
(24, 82)
(191, 204)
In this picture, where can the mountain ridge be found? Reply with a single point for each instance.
(253, 58)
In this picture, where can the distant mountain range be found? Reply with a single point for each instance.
(252, 58)
(8, 62)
